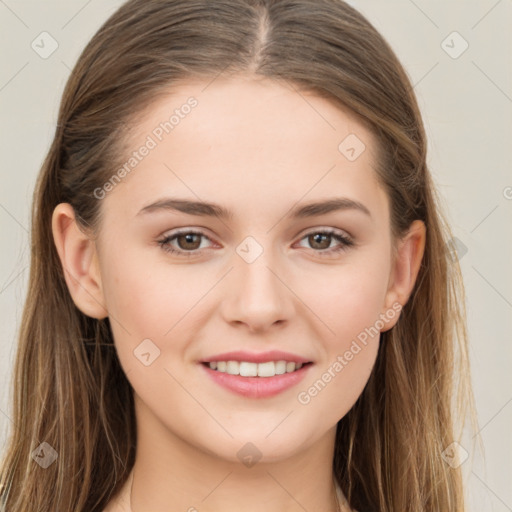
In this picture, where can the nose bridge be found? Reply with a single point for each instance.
(259, 298)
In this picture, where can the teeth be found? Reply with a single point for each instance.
(267, 369)
(232, 367)
(246, 369)
(280, 367)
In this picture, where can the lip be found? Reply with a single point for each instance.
(256, 387)
(253, 357)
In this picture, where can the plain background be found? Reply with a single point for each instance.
(466, 99)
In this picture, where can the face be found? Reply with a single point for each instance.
(255, 278)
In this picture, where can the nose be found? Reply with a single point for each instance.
(258, 296)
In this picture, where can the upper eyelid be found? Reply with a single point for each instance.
(331, 230)
(173, 235)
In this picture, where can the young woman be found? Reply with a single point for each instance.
(240, 294)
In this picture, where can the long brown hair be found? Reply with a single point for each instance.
(69, 388)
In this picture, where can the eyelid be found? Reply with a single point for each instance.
(329, 229)
(184, 231)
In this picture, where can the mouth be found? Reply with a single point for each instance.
(250, 369)
(256, 375)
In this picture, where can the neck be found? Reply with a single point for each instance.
(168, 471)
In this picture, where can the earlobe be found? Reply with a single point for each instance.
(409, 255)
(78, 257)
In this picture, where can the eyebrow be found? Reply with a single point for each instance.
(202, 208)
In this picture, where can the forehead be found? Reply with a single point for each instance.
(250, 141)
(258, 114)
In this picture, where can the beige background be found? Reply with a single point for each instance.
(467, 103)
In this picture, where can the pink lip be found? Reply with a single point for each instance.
(262, 357)
(256, 387)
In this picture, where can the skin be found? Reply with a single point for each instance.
(259, 148)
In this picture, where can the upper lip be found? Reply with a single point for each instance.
(257, 357)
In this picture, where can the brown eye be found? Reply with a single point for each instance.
(320, 240)
(189, 241)
(184, 243)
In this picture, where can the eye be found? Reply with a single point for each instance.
(321, 241)
(188, 242)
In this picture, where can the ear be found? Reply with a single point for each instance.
(77, 253)
(406, 265)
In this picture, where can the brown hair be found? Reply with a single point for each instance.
(69, 388)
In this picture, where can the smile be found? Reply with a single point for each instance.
(256, 374)
(249, 369)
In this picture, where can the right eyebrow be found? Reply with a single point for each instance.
(200, 208)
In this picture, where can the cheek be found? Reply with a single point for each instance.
(148, 299)
(349, 303)
(351, 308)
(158, 302)
(337, 386)
(349, 298)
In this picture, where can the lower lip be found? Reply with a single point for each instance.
(257, 387)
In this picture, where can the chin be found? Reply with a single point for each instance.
(250, 447)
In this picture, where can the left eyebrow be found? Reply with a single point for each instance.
(328, 206)
(202, 208)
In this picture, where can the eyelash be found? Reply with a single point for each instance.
(345, 242)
